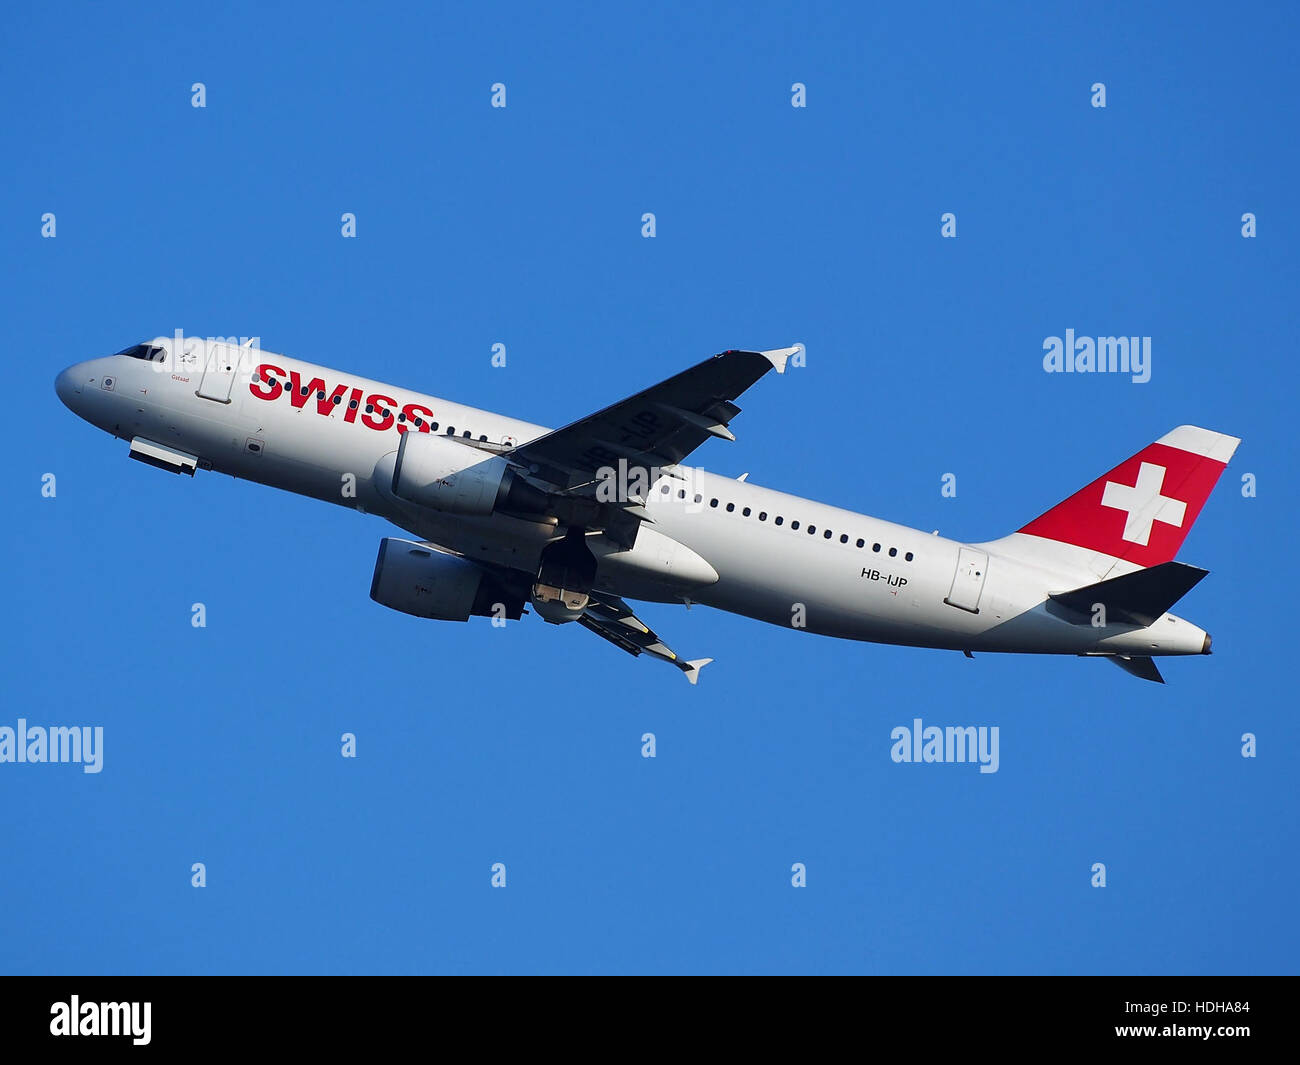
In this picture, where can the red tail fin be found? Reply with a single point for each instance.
(1143, 509)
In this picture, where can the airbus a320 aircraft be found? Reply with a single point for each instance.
(578, 520)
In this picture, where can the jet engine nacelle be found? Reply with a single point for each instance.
(436, 471)
(417, 580)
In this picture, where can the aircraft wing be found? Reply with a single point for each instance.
(657, 427)
(608, 616)
(611, 619)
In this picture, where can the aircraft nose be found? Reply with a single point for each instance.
(68, 386)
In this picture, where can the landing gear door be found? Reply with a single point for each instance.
(220, 364)
(968, 581)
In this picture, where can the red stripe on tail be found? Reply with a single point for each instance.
(1143, 509)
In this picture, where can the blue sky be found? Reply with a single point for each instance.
(522, 226)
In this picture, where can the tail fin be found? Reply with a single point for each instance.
(1142, 510)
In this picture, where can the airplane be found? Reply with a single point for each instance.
(575, 522)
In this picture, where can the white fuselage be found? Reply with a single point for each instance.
(898, 587)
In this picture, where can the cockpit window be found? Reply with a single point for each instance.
(148, 352)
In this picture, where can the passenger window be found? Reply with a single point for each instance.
(779, 519)
(713, 502)
(794, 525)
(908, 556)
(862, 543)
(812, 529)
(745, 513)
(893, 551)
(762, 515)
(731, 508)
(875, 547)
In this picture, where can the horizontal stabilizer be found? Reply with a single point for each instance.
(1140, 597)
(1139, 666)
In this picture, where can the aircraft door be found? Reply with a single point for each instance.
(968, 581)
(220, 365)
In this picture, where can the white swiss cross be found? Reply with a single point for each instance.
(1144, 503)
